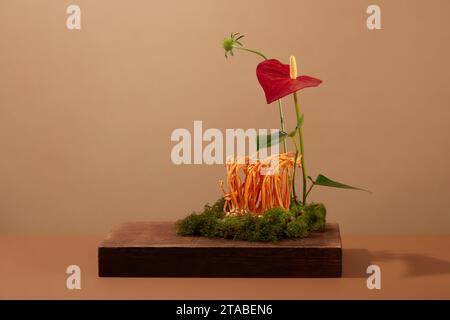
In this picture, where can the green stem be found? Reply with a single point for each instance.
(309, 190)
(253, 51)
(294, 193)
(302, 152)
(280, 110)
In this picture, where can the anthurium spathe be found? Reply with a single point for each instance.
(277, 81)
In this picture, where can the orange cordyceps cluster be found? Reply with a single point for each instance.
(258, 185)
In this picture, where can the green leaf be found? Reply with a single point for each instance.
(321, 180)
(267, 140)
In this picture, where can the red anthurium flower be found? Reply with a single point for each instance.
(279, 80)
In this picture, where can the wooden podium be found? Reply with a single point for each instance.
(153, 249)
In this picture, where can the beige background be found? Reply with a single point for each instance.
(86, 116)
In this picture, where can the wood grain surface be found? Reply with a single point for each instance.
(153, 249)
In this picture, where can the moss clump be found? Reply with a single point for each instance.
(272, 225)
(315, 215)
(190, 225)
(204, 223)
(297, 209)
(238, 227)
(297, 228)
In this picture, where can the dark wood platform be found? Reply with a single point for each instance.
(153, 249)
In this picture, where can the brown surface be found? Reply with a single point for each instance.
(163, 234)
(412, 267)
(86, 116)
(152, 249)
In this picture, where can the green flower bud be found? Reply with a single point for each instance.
(228, 44)
(232, 42)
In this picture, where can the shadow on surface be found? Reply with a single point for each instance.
(356, 261)
(416, 264)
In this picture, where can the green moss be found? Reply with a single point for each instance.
(297, 209)
(204, 223)
(216, 209)
(239, 227)
(315, 216)
(272, 225)
(190, 225)
(297, 228)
